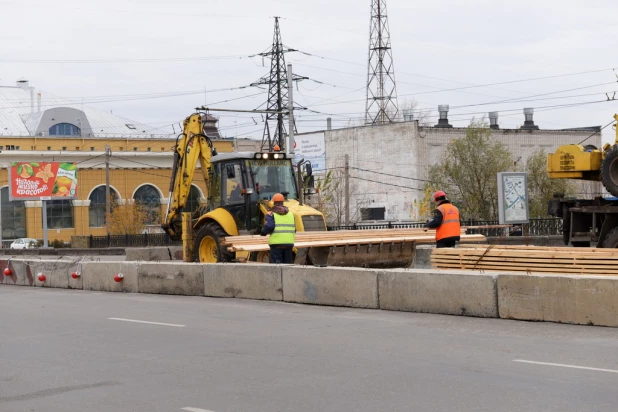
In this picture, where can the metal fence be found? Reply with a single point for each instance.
(536, 227)
(143, 240)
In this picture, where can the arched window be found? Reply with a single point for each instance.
(59, 214)
(13, 217)
(65, 129)
(149, 197)
(96, 210)
(192, 200)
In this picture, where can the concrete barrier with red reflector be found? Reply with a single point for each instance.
(105, 276)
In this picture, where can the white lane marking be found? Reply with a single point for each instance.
(147, 322)
(188, 408)
(566, 366)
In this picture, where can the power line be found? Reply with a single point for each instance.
(387, 184)
(598, 131)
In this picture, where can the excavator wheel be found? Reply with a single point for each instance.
(261, 257)
(611, 239)
(609, 171)
(208, 248)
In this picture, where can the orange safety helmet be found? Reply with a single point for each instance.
(438, 195)
(278, 198)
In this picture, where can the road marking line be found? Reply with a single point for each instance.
(188, 408)
(566, 366)
(149, 323)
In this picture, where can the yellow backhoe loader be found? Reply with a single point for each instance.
(240, 186)
(587, 221)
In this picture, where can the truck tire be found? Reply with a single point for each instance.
(208, 248)
(609, 171)
(611, 240)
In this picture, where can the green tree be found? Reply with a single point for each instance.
(540, 187)
(468, 171)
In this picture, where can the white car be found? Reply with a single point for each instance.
(24, 243)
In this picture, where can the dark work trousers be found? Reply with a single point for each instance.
(448, 242)
(279, 254)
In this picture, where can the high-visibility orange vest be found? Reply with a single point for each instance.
(450, 226)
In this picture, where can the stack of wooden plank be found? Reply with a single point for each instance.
(342, 238)
(567, 260)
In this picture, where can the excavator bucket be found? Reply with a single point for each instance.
(373, 255)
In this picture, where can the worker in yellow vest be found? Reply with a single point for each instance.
(445, 221)
(282, 230)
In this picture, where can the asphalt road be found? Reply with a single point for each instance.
(64, 350)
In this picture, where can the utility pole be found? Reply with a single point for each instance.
(290, 145)
(277, 82)
(108, 206)
(347, 190)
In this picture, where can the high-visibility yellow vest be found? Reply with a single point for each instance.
(285, 230)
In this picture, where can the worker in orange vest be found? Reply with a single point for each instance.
(445, 221)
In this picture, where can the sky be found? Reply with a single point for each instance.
(155, 61)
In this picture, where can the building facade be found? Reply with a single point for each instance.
(37, 128)
(389, 164)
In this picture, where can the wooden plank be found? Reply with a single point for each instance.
(254, 247)
(523, 266)
(527, 260)
(515, 253)
(530, 270)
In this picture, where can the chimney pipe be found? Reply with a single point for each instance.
(443, 121)
(38, 101)
(329, 123)
(493, 120)
(22, 84)
(529, 122)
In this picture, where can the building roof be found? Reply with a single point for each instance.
(22, 111)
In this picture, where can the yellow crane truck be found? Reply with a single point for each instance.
(587, 221)
(240, 186)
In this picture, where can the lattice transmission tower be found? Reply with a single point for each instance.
(381, 105)
(277, 82)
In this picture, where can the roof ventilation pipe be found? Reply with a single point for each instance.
(443, 121)
(493, 120)
(529, 122)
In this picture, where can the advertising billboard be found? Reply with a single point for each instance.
(311, 147)
(42, 181)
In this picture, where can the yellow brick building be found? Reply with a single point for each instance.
(140, 169)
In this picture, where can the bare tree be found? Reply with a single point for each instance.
(130, 218)
(330, 198)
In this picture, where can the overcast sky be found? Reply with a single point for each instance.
(437, 45)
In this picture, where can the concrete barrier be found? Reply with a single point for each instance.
(584, 300)
(99, 276)
(19, 275)
(331, 286)
(445, 292)
(171, 278)
(243, 280)
(148, 254)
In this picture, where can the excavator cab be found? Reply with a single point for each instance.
(241, 186)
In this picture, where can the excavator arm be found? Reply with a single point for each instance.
(191, 146)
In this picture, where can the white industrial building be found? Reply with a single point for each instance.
(388, 164)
